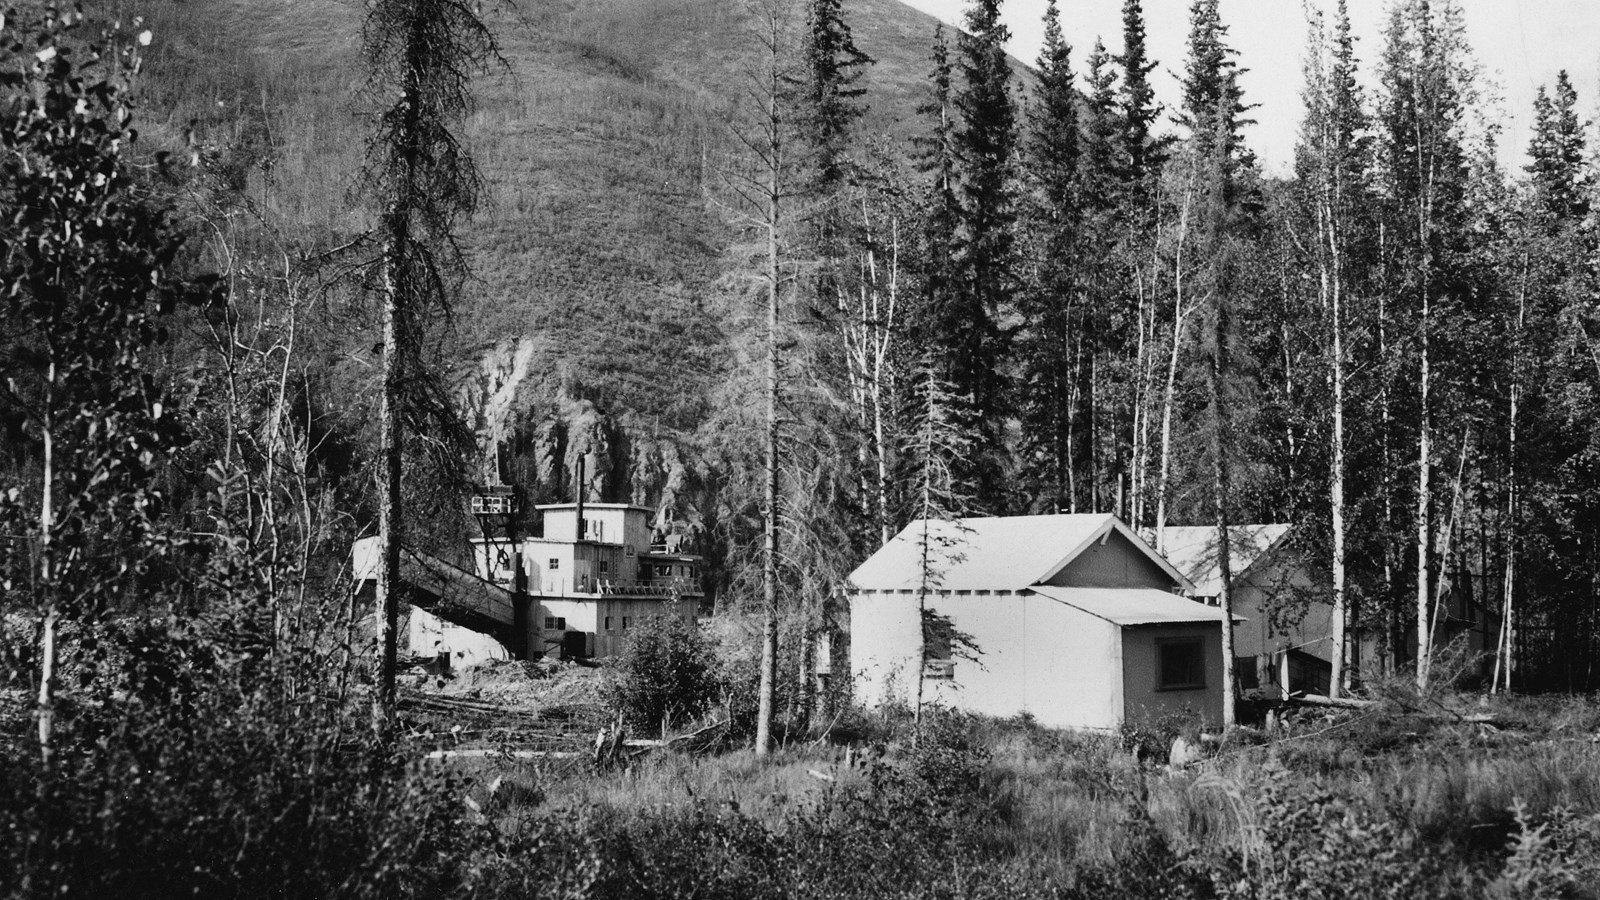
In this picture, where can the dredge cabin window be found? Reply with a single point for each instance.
(1180, 664)
(555, 623)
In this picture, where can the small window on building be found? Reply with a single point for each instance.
(664, 571)
(626, 621)
(554, 564)
(555, 623)
(938, 647)
(1180, 664)
(605, 567)
(608, 623)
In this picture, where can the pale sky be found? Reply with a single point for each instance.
(1520, 44)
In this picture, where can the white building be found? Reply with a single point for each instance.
(1073, 619)
(589, 577)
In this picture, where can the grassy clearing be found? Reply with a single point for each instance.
(1379, 803)
(281, 800)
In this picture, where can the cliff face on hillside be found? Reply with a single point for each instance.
(537, 442)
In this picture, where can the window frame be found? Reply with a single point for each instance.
(1165, 683)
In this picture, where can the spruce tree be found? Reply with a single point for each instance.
(1100, 139)
(1211, 109)
(936, 162)
(1143, 154)
(421, 55)
(1212, 105)
(829, 108)
(1051, 346)
(1557, 153)
(834, 66)
(985, 143)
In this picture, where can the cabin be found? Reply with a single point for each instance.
(1071, 619)
(1284, 644)
(587, 577)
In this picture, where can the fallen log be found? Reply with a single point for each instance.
(1443, 712)
(1334, 702)
(491, 753)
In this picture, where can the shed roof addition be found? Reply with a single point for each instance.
(1132, 606)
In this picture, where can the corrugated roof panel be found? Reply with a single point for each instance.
(1133, 606)
(1192, 550)
(1001, 553)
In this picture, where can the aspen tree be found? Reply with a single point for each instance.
(88, 266)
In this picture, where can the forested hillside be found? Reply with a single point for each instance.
(600, 247)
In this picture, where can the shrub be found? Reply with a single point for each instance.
(1559, 857)
(666, 674)
(231, 797)
(1298, 838)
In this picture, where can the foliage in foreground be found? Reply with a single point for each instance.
(253, 798)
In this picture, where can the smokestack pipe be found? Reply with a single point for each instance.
(579, 492)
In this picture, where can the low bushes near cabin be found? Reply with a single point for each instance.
(666, 675)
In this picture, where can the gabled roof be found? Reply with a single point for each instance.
(1132, 606)
(1003, 553)
(1193, 550)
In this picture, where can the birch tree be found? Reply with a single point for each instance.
(1330, 167)
(1423, 74)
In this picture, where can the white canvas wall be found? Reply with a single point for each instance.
(1035, 655)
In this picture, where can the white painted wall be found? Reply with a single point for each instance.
(1035, 655)
(884, 646)
(428, 634)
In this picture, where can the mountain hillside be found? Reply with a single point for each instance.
(605, 298)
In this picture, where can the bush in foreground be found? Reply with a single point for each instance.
(666, 675)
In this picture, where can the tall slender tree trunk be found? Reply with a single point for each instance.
(1504, 656)
(1424, 504)
(1217, 372)
(1339, 680)
(1178, 313)
(769, 562)
(387, 612)
(47, 573)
